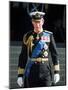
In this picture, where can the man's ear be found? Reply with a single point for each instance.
(32, 21)
(42, 21)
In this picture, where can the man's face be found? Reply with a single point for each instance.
(38, 24)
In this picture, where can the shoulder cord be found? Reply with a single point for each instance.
(28, 43)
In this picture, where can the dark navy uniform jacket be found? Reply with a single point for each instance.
(47, 46)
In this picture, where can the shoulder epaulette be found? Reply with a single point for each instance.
(26, 36)
(48, 31)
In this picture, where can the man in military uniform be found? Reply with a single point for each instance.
(34, 63)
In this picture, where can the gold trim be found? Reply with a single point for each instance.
(20, 70)
(28, 42)
(56, 67)
(24, 39)
(39, 59)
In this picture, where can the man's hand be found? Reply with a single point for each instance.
(20, 81)
(56, 78)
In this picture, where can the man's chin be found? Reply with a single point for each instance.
(38, 31)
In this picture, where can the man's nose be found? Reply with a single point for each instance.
(37, 24)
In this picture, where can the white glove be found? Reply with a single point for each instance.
(20, 81)
(56, 78)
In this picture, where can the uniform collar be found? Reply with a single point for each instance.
(40, 34)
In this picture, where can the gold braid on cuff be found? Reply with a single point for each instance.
(56, 68)
(20, 70)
